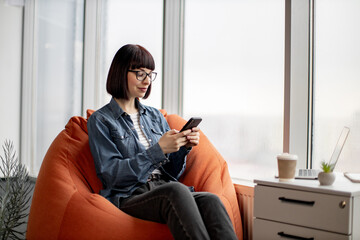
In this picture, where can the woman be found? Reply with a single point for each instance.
(139, 159)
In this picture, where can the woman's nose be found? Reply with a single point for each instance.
(146, 80)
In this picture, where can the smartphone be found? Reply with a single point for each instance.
(193, 122)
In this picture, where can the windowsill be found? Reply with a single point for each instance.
(243, 182)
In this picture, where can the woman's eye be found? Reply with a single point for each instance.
(141, 74)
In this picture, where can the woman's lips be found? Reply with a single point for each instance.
(143, 89)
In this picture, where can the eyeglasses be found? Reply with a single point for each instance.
(141, 75)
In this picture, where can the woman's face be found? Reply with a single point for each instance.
(138, 88)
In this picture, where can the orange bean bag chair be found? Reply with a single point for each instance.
(66, 203)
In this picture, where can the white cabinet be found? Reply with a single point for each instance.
(270, 230)
(302, 209)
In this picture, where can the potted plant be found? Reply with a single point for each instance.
(15, 194)
(326, 177)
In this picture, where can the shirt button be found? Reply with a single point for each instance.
(142, 126)
(149, 140)
(122, 137)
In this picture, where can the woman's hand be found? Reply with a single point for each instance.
(193, 137)
(173, 140)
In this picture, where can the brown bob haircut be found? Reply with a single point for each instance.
(128, 57)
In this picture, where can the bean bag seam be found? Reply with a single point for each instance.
(70, 132)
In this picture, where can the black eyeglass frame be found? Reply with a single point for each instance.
(147, 74)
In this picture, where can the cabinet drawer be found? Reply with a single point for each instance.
(268, 230)
(308, 209)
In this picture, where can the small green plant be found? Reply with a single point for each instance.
(15, 194)
(327, 167)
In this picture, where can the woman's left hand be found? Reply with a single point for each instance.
(193, 138)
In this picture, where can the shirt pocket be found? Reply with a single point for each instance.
(123, 142)
(157, 133)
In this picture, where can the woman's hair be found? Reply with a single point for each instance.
(127, 58)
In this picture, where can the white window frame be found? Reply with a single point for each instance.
(298, 79)
(28, 97)
(92, 47)
(173, 56)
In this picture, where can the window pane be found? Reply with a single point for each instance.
(136, 22)
(234, 79)
(10, 73)
(336, 81)
(59, 69)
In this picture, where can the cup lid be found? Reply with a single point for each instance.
(287, 156)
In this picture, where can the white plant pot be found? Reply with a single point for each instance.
(326, 179)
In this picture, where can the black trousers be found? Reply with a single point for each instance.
(189, 215)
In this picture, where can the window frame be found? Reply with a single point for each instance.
(27, 151)
(299, 54)
(173, 49)
(91, 96)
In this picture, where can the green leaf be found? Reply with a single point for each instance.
(327, 167)
(16, 193)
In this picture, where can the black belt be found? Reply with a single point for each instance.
(154, 176)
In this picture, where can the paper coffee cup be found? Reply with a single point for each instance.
(287, 166)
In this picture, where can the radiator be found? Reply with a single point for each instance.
(245, 196)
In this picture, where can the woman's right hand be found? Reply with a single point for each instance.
(173, 140)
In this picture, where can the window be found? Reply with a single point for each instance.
(58, 66)
(336, 81)
(234, 79)
(233, 72)
(136, 22)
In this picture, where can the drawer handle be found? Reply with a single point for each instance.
(282, 234)
(309, 203)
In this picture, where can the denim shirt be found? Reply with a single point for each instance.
(122, 163)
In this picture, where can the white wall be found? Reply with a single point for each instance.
(11, 18)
